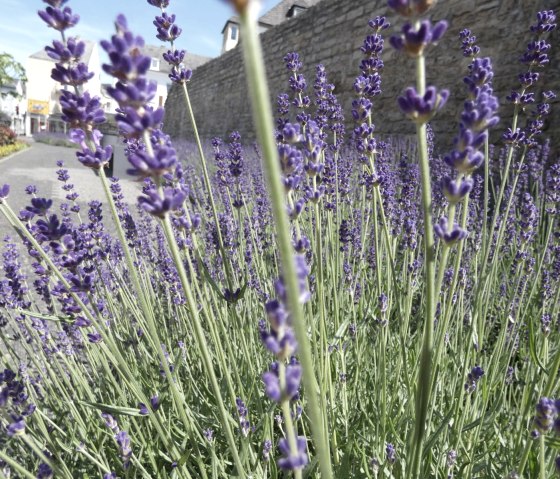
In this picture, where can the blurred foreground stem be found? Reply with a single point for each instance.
(262, 115)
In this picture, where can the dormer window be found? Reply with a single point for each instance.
(155, 64)
(233, 30)
(295, 11)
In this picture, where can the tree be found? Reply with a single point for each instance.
(10, 72)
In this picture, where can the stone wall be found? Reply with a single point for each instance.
(332, 32)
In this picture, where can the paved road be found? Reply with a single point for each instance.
(37, 166)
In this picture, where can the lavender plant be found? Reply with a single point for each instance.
(325, 303)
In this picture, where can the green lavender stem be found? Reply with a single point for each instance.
(425, 369)
(208, 185)
(203, 346)
(262, 115)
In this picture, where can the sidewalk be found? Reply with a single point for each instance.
(37, 166)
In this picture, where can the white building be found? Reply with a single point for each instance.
(283, 11)
(42, 105)
(43, 108)
(13, 105)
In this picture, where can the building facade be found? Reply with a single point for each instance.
(12, 106)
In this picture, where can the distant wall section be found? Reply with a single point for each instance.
(332, 32)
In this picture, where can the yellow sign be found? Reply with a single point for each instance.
(38, 107)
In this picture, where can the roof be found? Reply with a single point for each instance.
(42, 54)
(276, 15)
(191, 60)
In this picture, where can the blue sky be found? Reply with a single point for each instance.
(23, 33)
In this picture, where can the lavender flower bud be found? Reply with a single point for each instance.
(72, 51)
(59, 19)
(456, 190)
(4, 192)
(413, 41)
(293, 461)
(449, 236)
(472, 379)
(546, 414)
(421, 109)
(545, 22)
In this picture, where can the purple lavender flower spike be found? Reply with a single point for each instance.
(536, 53)
(465, 161)
(94, 338)
(125, 53)
(272, 386)
(409, 8)
(472, 379)
(71, 52)
(421, 109)
(449, 236)
(293, 461)
(266, 449)
(4, 192)
(379, 23)
(74, 75)
(180, 74)
(174, 57)
(545, 22)
(110, 422)
(133, 123)
(16, 428)
(293, 380)
(208, 434)
(413, 41)
(81, 111)
(159, 206)
(44, 471)
(480, 74)
(243, 412)
(39, 206)
(293, 62)
(456, 190)
(166, 28)
(470, 48)
(391, 453)
(123, 441)
(545, 416)
(163, 160)
(59, 19)
(135, 93)
(95, 159)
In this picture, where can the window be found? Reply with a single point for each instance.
(295, 10)
(155, 64)
(233, 32)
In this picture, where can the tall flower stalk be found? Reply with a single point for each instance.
(262, 113)
(420, 105)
